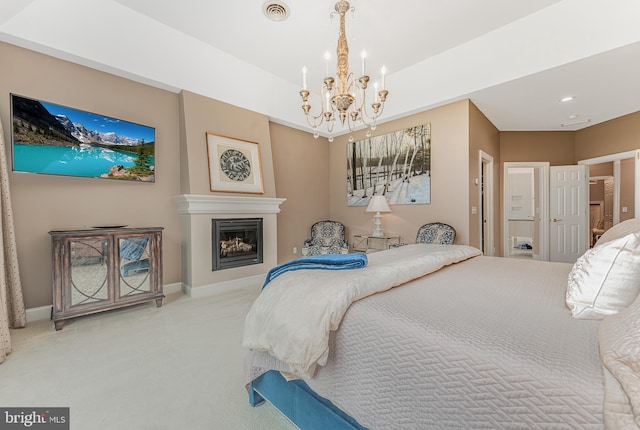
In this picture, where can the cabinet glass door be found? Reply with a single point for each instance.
(134, 265)
(89, 274)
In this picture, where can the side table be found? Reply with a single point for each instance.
(368, 244)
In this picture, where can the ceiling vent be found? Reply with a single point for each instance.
(275, 10)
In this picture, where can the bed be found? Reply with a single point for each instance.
(476, 342)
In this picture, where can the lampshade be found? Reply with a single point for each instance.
(378, 204)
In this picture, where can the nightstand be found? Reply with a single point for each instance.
(368, 244)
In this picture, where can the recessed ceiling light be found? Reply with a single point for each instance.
(573, 116)
(567, 99)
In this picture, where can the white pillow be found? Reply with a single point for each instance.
(606, 279)
(621, 229)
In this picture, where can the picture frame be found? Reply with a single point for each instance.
(234, 165)
(396, 165)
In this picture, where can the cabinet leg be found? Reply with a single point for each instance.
(159, 302)
(58, 325)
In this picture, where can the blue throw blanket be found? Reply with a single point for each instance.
(326, 261)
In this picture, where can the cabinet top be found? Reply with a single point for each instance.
(90, 231)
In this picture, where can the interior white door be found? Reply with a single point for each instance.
(568, 212)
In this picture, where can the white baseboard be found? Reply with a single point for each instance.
(172, 288)
(37, 314)
(222, 287)
(44, 312)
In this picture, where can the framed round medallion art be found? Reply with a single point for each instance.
(234, 165)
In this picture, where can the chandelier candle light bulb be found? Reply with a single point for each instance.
(384, 75)
(327, 57)
(364, 59)
(304, 77)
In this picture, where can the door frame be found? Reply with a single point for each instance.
(616, 159)
(485, 197)
(541, 216)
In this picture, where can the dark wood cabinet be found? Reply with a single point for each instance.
(100, 269)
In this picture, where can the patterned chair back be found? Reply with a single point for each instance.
(437, 233)
(327, 237)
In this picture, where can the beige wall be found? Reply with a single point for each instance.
(566, 148)
(309, 173)
(450, 139)
(627, 188)
(611, 137)
(556, 147)
(449, 177)
(483, 136)
(42, 202)
(200, 115)
(301, 169)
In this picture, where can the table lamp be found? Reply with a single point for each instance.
(378, 204)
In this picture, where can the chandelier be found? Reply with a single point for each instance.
(344, 97)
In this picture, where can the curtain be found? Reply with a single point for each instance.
(12, 313)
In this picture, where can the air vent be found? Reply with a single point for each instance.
(576, 122)
(275, 10)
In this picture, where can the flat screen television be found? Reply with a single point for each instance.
(53, 139)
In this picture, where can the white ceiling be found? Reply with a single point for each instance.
(514, 59)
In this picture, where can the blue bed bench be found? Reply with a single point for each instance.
(299, 403)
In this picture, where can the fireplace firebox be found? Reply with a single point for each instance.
(236, 242)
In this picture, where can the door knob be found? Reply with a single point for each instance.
(556, 220)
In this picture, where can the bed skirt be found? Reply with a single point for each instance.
(299, 403)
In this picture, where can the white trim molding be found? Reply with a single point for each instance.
(204, 204)
(254, 281)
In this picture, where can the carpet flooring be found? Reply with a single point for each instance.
(175, 367)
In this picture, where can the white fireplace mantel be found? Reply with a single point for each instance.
(205, 204)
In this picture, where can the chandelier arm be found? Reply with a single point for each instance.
(315, 121)
(377, 112)
(370, 117)
(364, 114)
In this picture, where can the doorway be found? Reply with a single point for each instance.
(524, 208)
(614, 186)
(625, 204)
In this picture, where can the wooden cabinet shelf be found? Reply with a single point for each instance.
(100, 269)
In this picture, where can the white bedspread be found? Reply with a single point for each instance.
(486, 343)
(620, 352)
(295, 313)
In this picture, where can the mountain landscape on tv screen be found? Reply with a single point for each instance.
(35, 126)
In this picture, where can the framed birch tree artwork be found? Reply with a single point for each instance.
(396, 165)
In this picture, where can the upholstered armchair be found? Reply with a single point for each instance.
(436, 232)
(327, 237)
